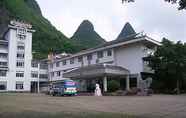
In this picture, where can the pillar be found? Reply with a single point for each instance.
(138, 80)
(127, 82)
(105, 83)
(38, 84)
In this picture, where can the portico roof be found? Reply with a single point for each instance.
(97, 70)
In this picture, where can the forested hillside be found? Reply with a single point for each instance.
(46, 38)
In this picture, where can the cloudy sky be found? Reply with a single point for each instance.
(155, 17)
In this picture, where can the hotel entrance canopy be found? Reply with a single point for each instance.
(97, 70)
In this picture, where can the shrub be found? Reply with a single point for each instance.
(113, 86)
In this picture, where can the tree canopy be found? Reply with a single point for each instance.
(182, 3)
(169, 64)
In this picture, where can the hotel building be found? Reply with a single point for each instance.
(17, 71)
(123, 60)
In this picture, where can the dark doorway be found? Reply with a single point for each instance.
(33, 87)
(123, 83)
(133, 82)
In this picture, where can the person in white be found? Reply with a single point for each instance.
(98, 90)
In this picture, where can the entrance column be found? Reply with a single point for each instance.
(105, 83)
(38, 84)
(127, 82)
(138, 80)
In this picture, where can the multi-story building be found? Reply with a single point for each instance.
(122, 59)
(17, 72)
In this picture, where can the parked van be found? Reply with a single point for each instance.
(64, 87)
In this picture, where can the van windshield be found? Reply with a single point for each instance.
(70, 84)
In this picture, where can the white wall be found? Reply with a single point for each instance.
(77, 64)
(12, 59)
(130, 57)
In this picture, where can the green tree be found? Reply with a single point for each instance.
(169, 64)
(182, 3)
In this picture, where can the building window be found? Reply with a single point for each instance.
(20, 55)
(3, 85)
(20, 74)
(20, 64)
(43, 66)
(3, 55)
(58, 73)
(34, 75)
(3, 63)
(109, 52)
(20, 47)
(43, 76)
(89, 57)
(57, 64)
(21, 31)
(34, 64)
(3, 73)
(100, 54)
(72, 61)
(21, 37)
(80, 59)
(64, 62)
(19, 85)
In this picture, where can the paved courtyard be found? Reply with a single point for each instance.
(156, 106)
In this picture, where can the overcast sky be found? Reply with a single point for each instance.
(155, 17)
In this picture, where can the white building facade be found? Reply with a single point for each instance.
(124, 59)
(16, 71)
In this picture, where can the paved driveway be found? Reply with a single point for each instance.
(156, 106)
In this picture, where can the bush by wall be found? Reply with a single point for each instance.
(113, 85)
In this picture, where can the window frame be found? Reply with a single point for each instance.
(100, 54)
(19, 85)
(58, 73)
(89, 57)
(3, 73)
(109, 53)
(80, 59)
(20, 64)
(20, 74)
(72, 61)
(64, 62)
(58, 64)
